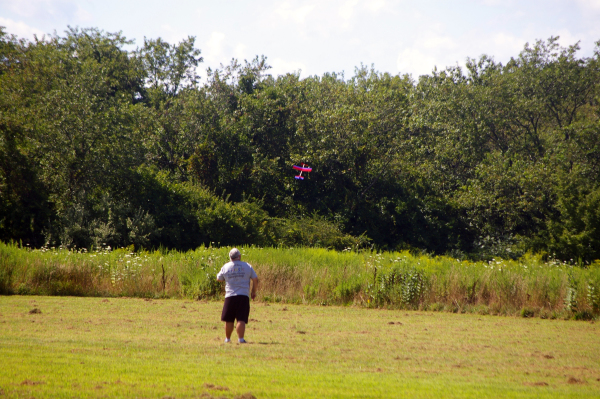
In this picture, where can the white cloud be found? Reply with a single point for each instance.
(320, 20)
(346, 11)
(44, 8)
(20, 29)
(497, 2)
(352, 10)
(428, 51)
(281, 67)
(83, 15)
(590, 4)
(214, 48)
(415, 62)
(437, 42)
(374, 5)
(292, 12)
(566, 38)
(507, 44)
(240, 51)
(68, 12)
(172, 35)
(24, 8)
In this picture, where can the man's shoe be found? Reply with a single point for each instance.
(242, 341)
(227, 340)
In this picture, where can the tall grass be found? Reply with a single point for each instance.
(528, 286)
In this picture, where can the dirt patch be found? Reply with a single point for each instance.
(573, 380)
(32, 383)
(548, 356)
(284, 309)
(537, 384)
(206, 395)
(105, 300)
(247, 395)
(215, 387)
(35, 311)
(300, 332)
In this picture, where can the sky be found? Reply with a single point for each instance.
(313, 37)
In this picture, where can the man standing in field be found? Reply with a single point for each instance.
(237, 276)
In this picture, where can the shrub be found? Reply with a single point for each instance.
(583, 315)
(594, 297)
(311, 231)
(199, 281)
(5, 279)
(527, 312)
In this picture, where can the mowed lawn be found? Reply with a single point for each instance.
(124, 347)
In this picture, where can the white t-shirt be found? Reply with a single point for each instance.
(237, 275)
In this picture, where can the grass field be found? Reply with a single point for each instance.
(131, 347)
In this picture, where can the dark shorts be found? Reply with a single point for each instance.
(236, 308)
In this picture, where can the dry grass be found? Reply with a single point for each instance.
(315, 276)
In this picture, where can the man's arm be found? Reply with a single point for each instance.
(254, 287)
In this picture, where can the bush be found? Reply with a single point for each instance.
(6, 272)
(313, 231)
(583, 315)
(527, 312)
(199, 281)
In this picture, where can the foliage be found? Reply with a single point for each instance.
(100, 145)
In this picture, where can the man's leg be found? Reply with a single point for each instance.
(228, 329)
(240, 329)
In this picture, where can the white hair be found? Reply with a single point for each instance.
(235, 254)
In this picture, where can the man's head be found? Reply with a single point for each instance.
(235, 254)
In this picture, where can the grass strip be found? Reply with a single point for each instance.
(527, 287)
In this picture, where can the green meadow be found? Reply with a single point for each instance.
(54, 347)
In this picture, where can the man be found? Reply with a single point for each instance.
(237, 276)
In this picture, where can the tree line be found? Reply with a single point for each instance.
(105, 146)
